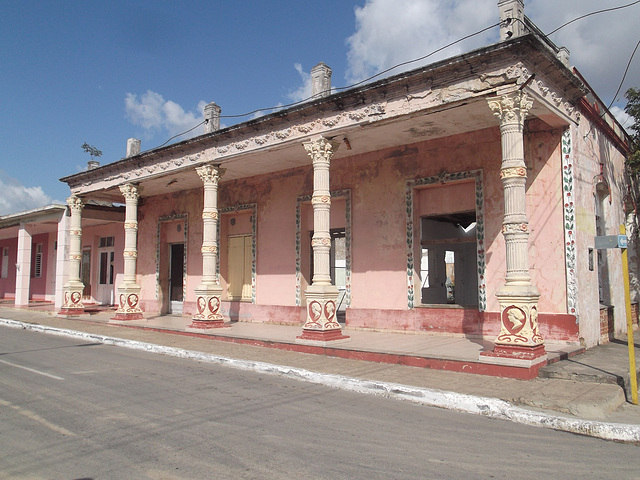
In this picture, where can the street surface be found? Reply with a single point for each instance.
(72, 409)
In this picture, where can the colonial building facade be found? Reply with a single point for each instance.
(460, 198)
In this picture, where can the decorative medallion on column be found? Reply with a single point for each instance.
(72, 292)
(321, 325)
(519, 341)
(129, 290)
(209, 292)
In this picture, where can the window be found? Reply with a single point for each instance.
(37, 264)
(5, 262)
(240, 268)
(106, 242)
(106, 268)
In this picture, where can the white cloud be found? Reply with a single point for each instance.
(625, 119)
(389, 32)
(17, 198)
(600, 44)
(157, 115)
(304, 91)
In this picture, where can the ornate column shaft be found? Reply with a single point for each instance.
(519, 337)
(209, 292)
(129, 290)
(73, 288)
(321, 324)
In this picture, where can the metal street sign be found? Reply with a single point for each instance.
(610, 241)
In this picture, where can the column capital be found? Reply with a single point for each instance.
(75, 203)
(210, 174)
(130, 191)
(511, 108)
(321, 149)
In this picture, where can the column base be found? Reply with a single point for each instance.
(129, 303)
(515, 355)
(199, 325)
(322, 337)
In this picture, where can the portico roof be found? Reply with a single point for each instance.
(435, 101)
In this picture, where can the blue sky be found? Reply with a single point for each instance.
(101, 72)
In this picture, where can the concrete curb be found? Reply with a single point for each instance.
(475, 405)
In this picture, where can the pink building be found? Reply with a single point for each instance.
(460, 198)
(34, 251)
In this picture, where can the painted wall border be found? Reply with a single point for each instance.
(165, 219)
(444, 178)
(569, 223)
(253, 208)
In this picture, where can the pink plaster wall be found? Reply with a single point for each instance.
(8, 285)
(275, 196)
(186, 203)
(378, 219)
(590, 148)
(543, 155)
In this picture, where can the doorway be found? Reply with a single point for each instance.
(85, 273)
(448, 260)
(176, 278)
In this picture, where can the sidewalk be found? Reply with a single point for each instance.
(580, 392)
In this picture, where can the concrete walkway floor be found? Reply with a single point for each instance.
(582, 392)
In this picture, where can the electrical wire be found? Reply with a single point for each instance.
(371, 77)
(593, 13)
(625, 75)
(292, 104)
(180, 134)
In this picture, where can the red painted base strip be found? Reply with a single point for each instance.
(208, 324)
(71, 311)
(520, 373)
(127, 316)
(322, 336)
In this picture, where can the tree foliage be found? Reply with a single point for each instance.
(91, 150)
(633, 110)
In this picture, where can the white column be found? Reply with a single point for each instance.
(72, 295)
(209, 292)
(62, 253)
(321, 325)
(519, 335)
(23, 266)
(129, 290)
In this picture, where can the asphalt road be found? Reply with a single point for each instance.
(76, 410)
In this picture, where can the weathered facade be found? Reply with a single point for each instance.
(461, 198)
(34, 249)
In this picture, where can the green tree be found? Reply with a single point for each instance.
(91, 150)
(633, 110)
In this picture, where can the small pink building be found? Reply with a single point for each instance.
(460, 198)
(34, 251)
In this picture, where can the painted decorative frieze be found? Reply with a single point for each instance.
(569, 224)
(443, 178)
(253, 208)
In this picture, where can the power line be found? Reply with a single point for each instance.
(593, 13)
(292, 104)
(625, 75)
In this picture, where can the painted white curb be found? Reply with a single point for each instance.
(485, 406)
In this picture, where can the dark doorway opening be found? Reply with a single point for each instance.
(176, 277)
